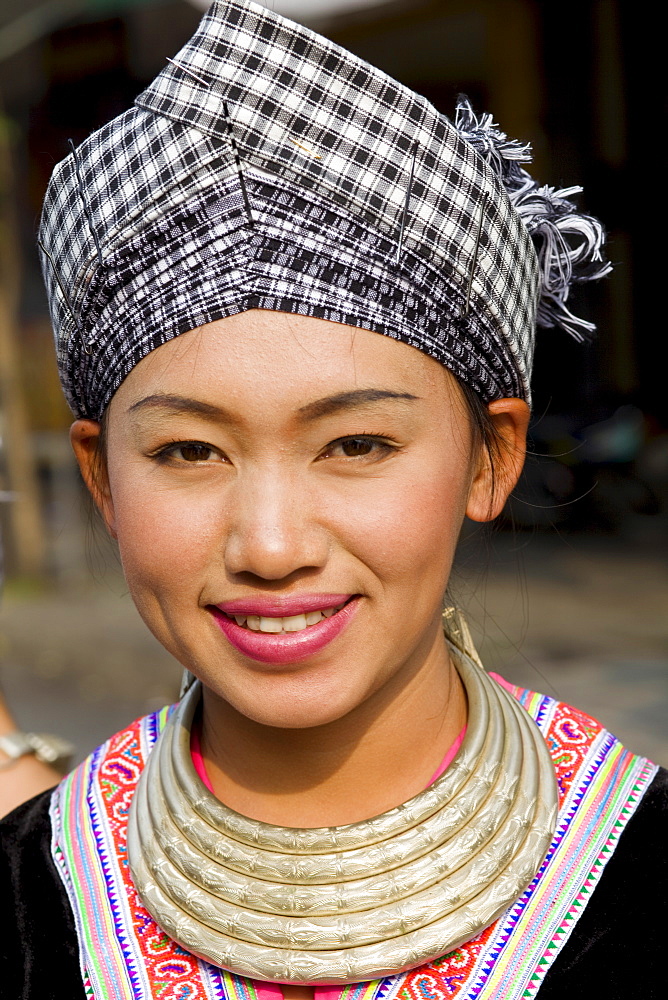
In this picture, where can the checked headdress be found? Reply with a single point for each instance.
(266, 167)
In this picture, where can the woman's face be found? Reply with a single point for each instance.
(275, 467)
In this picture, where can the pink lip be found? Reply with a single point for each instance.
(268, 647)
(273, 606)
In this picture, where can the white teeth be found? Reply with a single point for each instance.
(271, 624)
(293, 623)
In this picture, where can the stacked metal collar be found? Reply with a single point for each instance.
(347, 904)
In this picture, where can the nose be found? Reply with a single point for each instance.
(272, 531)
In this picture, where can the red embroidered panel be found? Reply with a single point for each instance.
(173, 973)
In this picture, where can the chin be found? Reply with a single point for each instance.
(291, 703)
(302, 713)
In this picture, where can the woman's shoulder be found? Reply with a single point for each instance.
(39, 952)
(617, 945)
(613, 824)
(30, 815)
(655, 800)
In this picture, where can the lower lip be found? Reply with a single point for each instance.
(285, 647)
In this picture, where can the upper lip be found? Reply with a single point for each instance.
(273, 606)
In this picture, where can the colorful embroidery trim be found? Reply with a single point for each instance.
(125, 955)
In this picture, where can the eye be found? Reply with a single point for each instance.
(362, 446)
(189, 451)
(357, 447)
(192, 451)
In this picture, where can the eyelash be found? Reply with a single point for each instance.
(168, 452)
(383, 442)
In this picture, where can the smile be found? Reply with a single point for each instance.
(282, 639)
(293, 623)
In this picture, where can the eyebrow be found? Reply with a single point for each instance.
(349, 400)
(310, 411)
(180, 404)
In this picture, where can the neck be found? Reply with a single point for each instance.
(375, 757)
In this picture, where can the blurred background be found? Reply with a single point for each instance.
(568, 593)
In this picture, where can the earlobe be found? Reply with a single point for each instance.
(500, 466)
(85, 438)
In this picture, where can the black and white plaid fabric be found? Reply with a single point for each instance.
(266, 167)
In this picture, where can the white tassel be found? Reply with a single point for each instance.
(500, 152)
(568, 243)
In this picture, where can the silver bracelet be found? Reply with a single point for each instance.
(46, 747)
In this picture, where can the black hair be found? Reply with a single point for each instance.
(484, 430)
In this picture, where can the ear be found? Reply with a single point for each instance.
(496, 475)
(85, 437)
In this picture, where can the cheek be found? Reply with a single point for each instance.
(165, 539)
(408, 530)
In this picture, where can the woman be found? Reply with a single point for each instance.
(294, 311)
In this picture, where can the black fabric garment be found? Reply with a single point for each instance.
(39, 952)
(616, 950)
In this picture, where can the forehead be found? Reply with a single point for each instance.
(262, 357)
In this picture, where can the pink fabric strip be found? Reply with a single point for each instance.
(267, 991)
(449, 757)
(198, 762)
(502, 681)
(273, 991)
